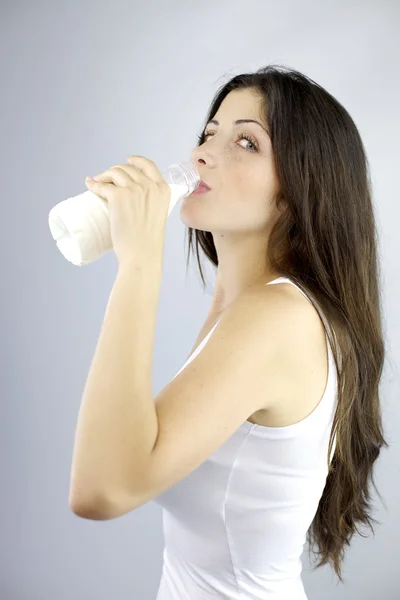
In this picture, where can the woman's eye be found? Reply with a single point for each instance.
(245, 136)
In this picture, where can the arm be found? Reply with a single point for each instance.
(117, 423)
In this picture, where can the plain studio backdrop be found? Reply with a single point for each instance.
(83, 85)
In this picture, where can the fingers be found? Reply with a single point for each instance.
(147, 167)
(118, 175)
(140, 170)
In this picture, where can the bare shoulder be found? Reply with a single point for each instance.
(284, 302)
(299, 324)
(303, 354)
(266, 333)
(267, 313)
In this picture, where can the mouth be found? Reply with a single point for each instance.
(203, 186)
(201, 189)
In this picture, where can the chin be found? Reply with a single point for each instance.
(192, 215)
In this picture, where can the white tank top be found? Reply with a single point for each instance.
(235, 527)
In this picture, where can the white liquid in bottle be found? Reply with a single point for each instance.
(80, 225)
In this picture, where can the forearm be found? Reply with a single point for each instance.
(117, 423)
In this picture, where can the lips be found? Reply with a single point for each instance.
(203, 185)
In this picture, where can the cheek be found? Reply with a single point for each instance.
(251, 176)
(249, 189)
(250, 201)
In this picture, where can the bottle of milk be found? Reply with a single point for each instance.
(80, 225)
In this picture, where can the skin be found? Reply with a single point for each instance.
(239, 210)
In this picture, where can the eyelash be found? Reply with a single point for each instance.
(245, 136)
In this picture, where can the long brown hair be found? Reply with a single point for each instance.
(326, 242)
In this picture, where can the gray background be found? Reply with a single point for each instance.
(83, 85)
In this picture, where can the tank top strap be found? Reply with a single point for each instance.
(283, 279)
(287, 280)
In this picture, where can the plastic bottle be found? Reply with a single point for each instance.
(80, 225)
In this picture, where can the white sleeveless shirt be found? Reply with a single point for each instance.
(235, 527)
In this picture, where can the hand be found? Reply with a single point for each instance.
(138, 199)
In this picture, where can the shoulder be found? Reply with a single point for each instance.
(278, 310)
(276, 329)
(283, 334)
(263, 328)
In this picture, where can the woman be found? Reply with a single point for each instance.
(270, 430)
(290, 203)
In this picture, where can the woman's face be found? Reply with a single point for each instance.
(240, 172)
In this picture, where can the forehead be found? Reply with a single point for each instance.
(241, 104)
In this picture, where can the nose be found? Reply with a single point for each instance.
(197, 156)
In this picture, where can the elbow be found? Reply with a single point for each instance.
(94, 509)
(100, 508)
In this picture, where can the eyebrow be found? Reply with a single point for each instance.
(239, 121)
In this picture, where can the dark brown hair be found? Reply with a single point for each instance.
(327, 243)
